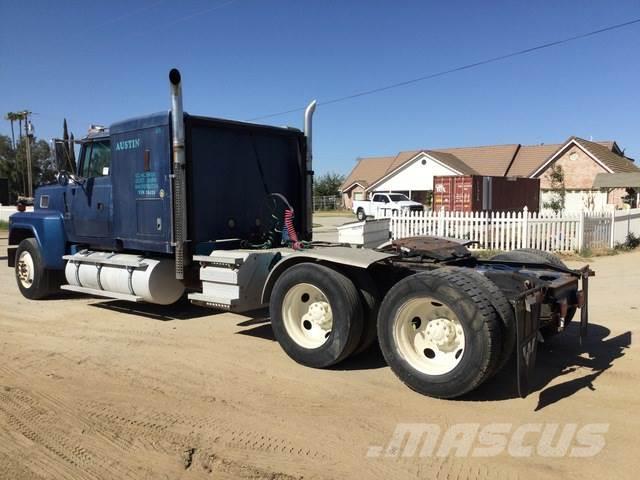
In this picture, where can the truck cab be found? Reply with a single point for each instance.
(129, 197)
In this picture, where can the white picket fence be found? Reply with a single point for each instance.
(508, 230)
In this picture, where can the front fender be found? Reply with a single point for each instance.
(353, 257)
(48, 230)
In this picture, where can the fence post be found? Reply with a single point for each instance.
(441, 222)
(581, 231)
(613, 227)
(525, 228)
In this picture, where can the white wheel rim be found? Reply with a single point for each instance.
(307, 315)
(429, 336)
(25, 269)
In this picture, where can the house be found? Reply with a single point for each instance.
(412, 172)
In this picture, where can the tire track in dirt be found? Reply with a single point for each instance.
(155, 428)
(55, 427)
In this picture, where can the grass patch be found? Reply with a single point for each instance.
(587, 253)
(4, 225)
(584, 254)
(333, 213)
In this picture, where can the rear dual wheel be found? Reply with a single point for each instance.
(439, 333)
(316, 315)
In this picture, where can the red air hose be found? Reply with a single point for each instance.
(291, 230)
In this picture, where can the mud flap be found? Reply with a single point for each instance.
(527, 309)
(584, 308)
(11, 256)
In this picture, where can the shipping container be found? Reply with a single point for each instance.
(474, 193)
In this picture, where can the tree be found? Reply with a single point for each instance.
(8, 166)
(557, 187)
(43, 170)
(12, 161)
(328, 185)
(12, 117)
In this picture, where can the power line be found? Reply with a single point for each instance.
(456, 69)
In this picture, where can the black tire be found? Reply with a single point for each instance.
(360, 215)
(546, 257)
(370, 298)
(42, 281)
(460, 294)
(532, 255)
(504, 310)
(342, 296)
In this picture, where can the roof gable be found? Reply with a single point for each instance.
(403, 159)
(616, 163)
(600, 152)
(367, 171)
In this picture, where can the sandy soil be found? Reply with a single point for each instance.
(101, 389)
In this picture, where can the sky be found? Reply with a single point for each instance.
(101, 62)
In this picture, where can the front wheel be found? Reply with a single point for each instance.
(316, 315)
(439, 333)
(34, 281)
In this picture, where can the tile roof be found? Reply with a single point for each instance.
(530, 157)
(617, 163)
(486, 160)
(452, 161)
(617, 180)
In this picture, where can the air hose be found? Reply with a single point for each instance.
(291, 230)
(276, 236)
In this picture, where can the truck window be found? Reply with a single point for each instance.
(96, 161)
(399, 197)
(380, 198)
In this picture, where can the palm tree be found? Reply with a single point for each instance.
(12, 117)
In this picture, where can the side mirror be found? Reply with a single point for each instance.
(65, 177)
(60, 156)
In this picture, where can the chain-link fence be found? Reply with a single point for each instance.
(332, 202)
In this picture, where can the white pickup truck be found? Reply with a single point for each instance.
(385, 204)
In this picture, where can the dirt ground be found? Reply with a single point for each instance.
(91, 388)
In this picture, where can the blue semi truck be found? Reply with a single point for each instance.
(170, 205)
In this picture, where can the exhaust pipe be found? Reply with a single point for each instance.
(308, 132)
(179, 174)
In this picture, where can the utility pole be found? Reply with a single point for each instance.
(29, 128)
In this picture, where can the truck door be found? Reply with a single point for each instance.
(379, 204)
(91, 205)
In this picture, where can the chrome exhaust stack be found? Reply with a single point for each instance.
(179, 173)
(308, 132)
